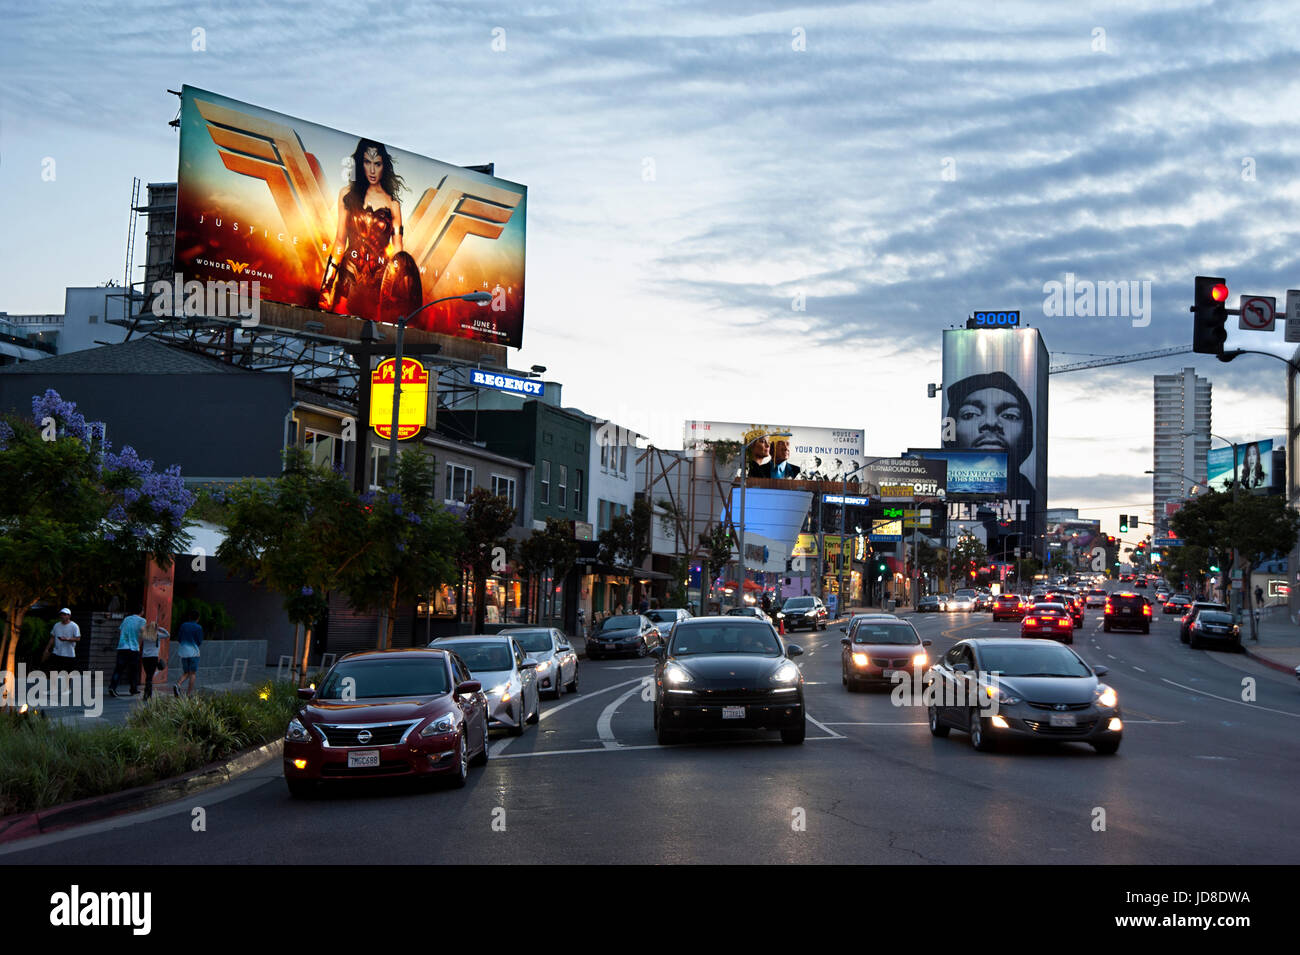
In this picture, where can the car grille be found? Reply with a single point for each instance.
(385, 768)
(1083, 727)
(1053, 706)
(344, 735)
(734, 697)
(895, 662)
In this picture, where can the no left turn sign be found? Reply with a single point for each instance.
(1258, 312)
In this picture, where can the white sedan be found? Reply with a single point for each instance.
(557, 661)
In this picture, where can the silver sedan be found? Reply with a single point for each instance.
(509, 678)
(557, 661)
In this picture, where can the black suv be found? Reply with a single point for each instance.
(1127, 611)
(807, 612)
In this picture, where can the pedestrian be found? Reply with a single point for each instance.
(62, 648)
(644, 605)
(1259, 596)
(150, 646)
(190, 636)
(128, 653)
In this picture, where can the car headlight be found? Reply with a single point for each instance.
(920, 660)
(439, 726)
(1106, 696)
(780, 615)
(297, 732)
(1002, 696)
(786, 673)
(676, 676)
(861, 659)
(499, 689)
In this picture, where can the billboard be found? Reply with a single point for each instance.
(995, 400)
(971, 474)
(903, 479)
(332, 221)
(1254, 466)
(793, 453)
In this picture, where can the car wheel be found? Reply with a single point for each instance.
(794, 735)
(300, 788)
(1105, 627)
(537, 709)
(844, 677)
(937, 728)
(1182, 636)
(461, 776)
(981, 740)
(641, 649)
(573, 685)
(1107, 747)
(592, 656)
(482, 758)
(519, 729)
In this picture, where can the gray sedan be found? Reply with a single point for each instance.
(557, 661)
(509, 678)
(995, 689)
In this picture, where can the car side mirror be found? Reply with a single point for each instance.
(844, 629)
(961, 668)
(794, 650)
(469, 686)
(306, 693)
(659, 652)
(926, 643)
(528, 665)
(1101, 670)
(844, 640)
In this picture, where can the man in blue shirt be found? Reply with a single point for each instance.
(128, 652)
(189, 638)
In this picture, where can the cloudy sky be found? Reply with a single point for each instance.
(758, 211)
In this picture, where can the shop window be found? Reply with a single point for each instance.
(460, 481)
(324, 449)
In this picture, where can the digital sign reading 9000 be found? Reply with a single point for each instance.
(1002, 319)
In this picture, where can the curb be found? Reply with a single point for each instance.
(1273, 664)
(68, 815)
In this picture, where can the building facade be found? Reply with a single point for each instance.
(1183, 404)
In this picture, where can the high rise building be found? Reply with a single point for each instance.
(1182, 439)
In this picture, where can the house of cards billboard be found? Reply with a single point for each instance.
(995, 400)
(791, 453)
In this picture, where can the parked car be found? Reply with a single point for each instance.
(1050, 621)
(932, 603)
(1214, 626)
(807, 612)
(876, 648)
(625, 633)
(1185, 623)
(509, 678)
(1128, 611)
(724, 673)
(1042, 690)
(388, 713)
(557, 661)
(1008, 607)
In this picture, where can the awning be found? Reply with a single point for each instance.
(21, 353)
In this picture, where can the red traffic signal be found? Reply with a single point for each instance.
(1219, 293)
(1210, 315)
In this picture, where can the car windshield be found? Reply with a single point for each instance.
(629, 621)
(1007, 599)
(533, 641)
(485, 657)
(1049, 609)
(798, 603)
(900, 634)
(663, 616)
(743, 612)
(375, 678)
(1038, 660)
(964, 593)
(1201, 608)
(725, 638)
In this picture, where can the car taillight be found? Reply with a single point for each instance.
(1146, 609)
(1109, 608)
(1031, 621)
(1063, 622)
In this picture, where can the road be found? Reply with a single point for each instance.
(1201, 777)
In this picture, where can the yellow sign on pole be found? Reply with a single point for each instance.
(412, 412)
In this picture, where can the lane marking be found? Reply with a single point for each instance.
(629, 749)
(821, 726)
(604, 723)
(505, 741)
(1139, 669)
(920, 723)
(1228, 699)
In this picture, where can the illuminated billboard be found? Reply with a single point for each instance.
(971, 474)
(995, 401)
(791, 453)
(1254, 466)
(336, 222)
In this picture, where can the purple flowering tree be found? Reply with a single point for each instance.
(77, 519)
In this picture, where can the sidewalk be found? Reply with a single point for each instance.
(1279, 640)
(115, 710)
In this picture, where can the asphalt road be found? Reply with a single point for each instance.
(1201, 777)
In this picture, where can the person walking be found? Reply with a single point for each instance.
(128, 653)
(1259, 596)
(190, 636)
(151, 639)
(62, 649)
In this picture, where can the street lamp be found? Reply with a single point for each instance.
(478, 298)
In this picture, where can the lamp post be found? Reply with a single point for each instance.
(478, 298)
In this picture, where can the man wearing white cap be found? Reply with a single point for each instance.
(64, 637)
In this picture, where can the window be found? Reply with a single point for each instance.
(504, 487)
(622, 466)
(604, 457)
(460, 481)
(577, 489)
(562, 497)
(546, 482)
(326, 449)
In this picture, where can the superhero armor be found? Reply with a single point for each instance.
(368, 282)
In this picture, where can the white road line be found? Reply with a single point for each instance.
(1140, 670)
(505, 741)
(1127, 721)
(1111, 655)
(604, 724)
(1228, 699)
(920, 723)
(821, 726)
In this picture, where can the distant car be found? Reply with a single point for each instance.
(1008, 607)
(1096, 598)
(1127, 611)
(557, 661)
(387, 713)
(1178, 603)
(1042, 689)
(728, 672)
(1048, 621)
(1072, 603)
(807, 612)
(664, 618)
(625, 633)
(931, 603)
(983, 602)
(755, 612)
(876, 648)
(963, 602)
(1185, 624)
(509, 678)
(1214, 626)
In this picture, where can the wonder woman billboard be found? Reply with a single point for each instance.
(344, 224)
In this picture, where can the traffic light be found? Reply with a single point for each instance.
(1210, 318)
(1123, 523)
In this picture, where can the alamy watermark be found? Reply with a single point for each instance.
(41, 690)
(242, 299)
(1083, 298)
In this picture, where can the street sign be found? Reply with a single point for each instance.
(1258, 313)
(1167, 542)
(1293, 315)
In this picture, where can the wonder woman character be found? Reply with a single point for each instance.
(367, 273)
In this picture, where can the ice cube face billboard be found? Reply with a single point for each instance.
(340, 223)
(995, 400)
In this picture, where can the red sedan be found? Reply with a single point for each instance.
(388, 713)
(1048, 622)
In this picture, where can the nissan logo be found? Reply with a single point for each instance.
(364, 735)
(1058, 706)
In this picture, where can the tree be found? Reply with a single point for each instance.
(75, 517)
(626, 541)
(717, 544)
(967, 556)
(484, 546)
(552, 549)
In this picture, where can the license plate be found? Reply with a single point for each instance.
(1126, 610)
(1063, 719)
(733, 712)
(611, 646)
(889, 674)
(366, 758)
